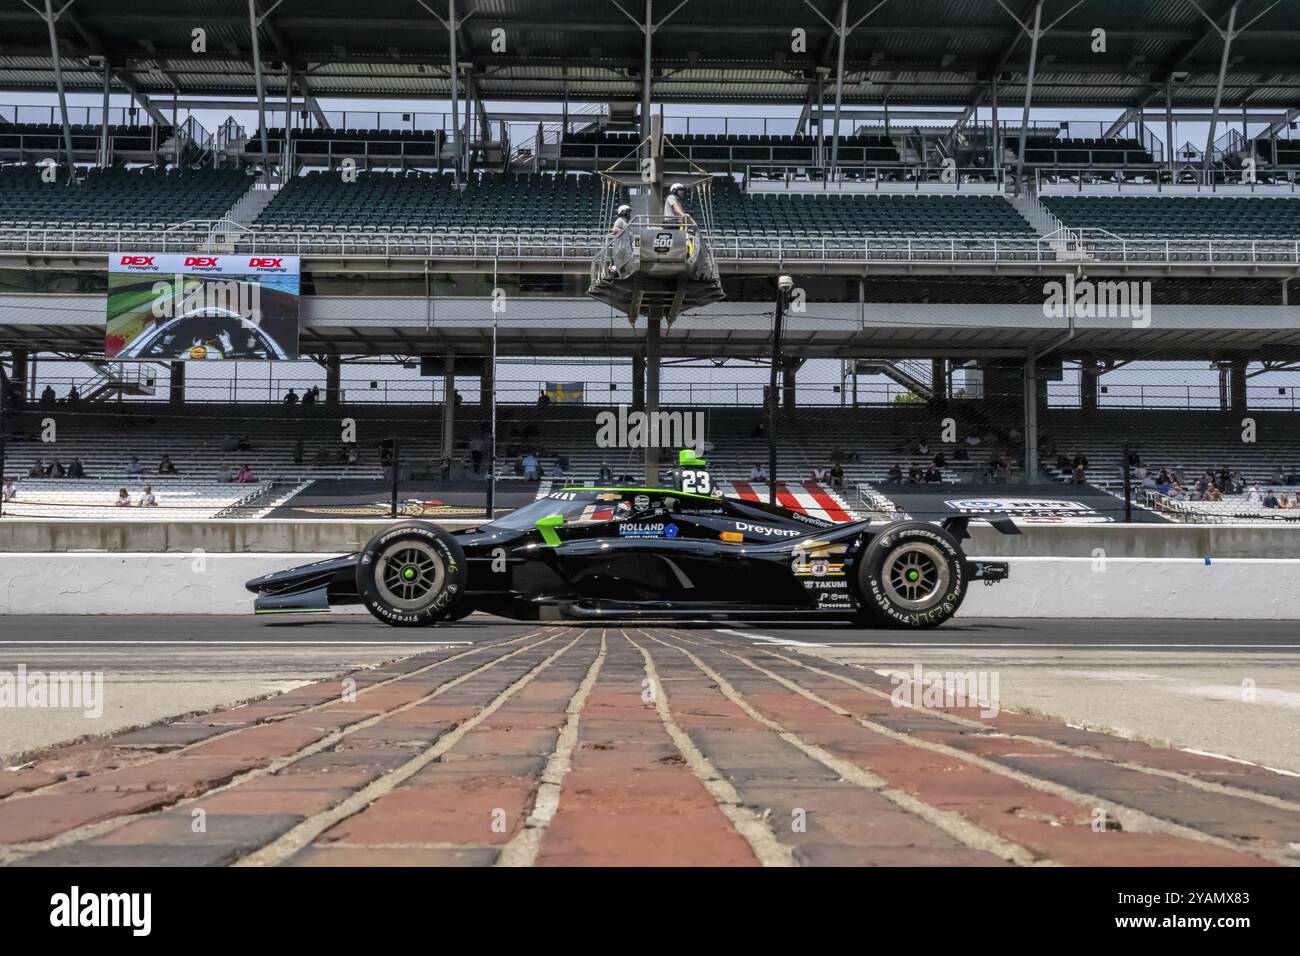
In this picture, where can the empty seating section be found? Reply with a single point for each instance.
(731, 152)
(35, 137)
(431, 202)
(1051, 151)
(1278, 152)
(351, 142)
(1200, 217)
(116, 196)
(842, 215)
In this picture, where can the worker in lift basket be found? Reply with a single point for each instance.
(622, 219)
(674, 211)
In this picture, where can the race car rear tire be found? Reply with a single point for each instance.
(412, 575)
(911, 576)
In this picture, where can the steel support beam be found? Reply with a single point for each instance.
(58, 86)
(843, 32)
(1218, 86)
(455, 89)
(1034, 34)
(1169, 127)
(104, 148)
(647, 69)
(261, 89)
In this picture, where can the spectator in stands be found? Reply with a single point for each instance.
(10, 490)
(622, 219)
(915, 474)
(123, 498)
(557, 469)
(758, 473)
(299, 452)
(134, 468)
(759, 431)
(1253, 496)
(74, 396)
(47, 395)
(922, 447)
(1284, 503)
(56, 470)
(837, 475)
(444, 468)
(1225, 479)
(309, 396)
(38, 470)
(223, 474)
(1079, 469)
(291, 397)
(531, 465)
(350, 456)
(1214, 494)
(166, 466)
(245, 475)
(895, 474)
(76, 469)
(476, 453)
(147, 500)
(1149, 482)
(1270, 499)
(933, 475)
(940, 460)
(1162, 485)
(543, 399)
(606, 474)
(817, 474)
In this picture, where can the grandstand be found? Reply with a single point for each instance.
(892, 189)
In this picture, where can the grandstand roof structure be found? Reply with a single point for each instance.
(904, 52)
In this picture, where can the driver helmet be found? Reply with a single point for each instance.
(623, 210)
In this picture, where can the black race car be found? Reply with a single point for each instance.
(627, 553)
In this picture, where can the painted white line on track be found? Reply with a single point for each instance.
(768, 639)
(86, 643)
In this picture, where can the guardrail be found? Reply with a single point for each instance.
(511, 245)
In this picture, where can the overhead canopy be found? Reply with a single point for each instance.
(905, 52)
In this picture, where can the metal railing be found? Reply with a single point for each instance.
(726, 245)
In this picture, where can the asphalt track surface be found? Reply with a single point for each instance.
(497, 743)
(1283, 636)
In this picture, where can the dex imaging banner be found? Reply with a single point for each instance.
(201, 307)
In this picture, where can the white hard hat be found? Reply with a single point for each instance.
(623, 209)
(677, 188)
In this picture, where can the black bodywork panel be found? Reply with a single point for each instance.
(628, 553)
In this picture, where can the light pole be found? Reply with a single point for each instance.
(784, 285)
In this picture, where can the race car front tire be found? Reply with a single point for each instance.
(911, 575)
(412, 575)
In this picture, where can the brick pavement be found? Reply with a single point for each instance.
(632, 746)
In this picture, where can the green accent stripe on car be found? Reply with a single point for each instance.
(647, 491)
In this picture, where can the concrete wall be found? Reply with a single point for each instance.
(211, 583)
(339, 537)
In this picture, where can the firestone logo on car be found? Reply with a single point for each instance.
(137, 260)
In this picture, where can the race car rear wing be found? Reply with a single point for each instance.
(959, 525)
